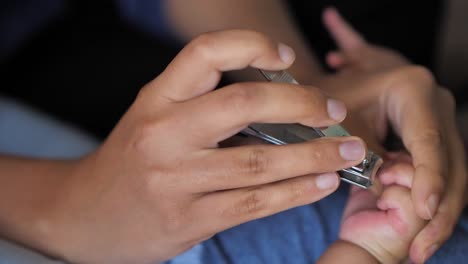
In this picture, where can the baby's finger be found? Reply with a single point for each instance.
(336, 60)
(398, 173)
(400, 210)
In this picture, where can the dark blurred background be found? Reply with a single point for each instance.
(86, 65)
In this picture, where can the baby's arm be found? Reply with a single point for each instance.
(346, 252)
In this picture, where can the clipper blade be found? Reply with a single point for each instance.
(362, 175)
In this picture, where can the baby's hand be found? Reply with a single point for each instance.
(385, 224)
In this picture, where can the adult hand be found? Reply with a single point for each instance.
(382, 88)
(159, 184)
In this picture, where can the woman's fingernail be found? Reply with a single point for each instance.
(432, 249)
(336, 109)
(431, 205)
(326, 181)
(286, 53)
(352, 150)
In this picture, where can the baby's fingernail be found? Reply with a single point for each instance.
(431, 205)
(352, 150)
(286, 53)
(336, 109)
(326, 181)
(432, 249)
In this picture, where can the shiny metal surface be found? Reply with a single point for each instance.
(361, 175)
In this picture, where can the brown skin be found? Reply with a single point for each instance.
(380, 85)
(159, 184)
(384, 87)
(37, 206)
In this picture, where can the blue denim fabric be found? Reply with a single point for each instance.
(26, 132)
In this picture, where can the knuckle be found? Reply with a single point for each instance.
(432, 137)
(144, 92)
(143, 141)
(259, 39)
(202, 47)
(239, 98)
(323, 152)
(253, 202)
(415, 76)
(258, 161)
(313, 97)
(263, 43)
(320, 152)
(144, 134)
(258, 36)
(297, 191)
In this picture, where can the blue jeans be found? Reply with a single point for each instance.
(299, 235)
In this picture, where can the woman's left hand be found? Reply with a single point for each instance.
(382, 89)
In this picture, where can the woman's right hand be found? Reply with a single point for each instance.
(160, 184)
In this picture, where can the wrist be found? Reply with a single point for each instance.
(31, 200)
(359, 250)
(343, 251)
(377, 252)
(70, 237)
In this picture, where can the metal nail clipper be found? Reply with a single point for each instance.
(361, 175)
